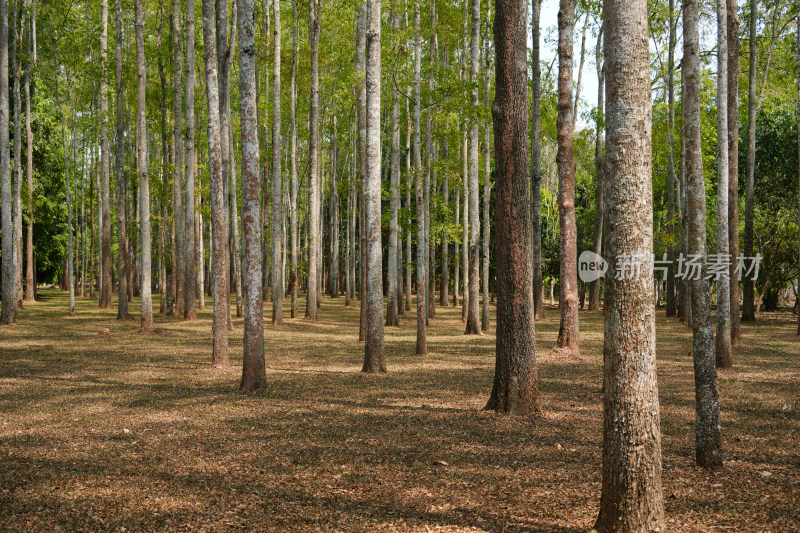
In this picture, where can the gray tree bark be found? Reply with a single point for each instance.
(392, 308)
(487, 178)
(253, 367)
(313, 155)
(536, 164)
(733, 167)
(748, 292)
(122, 231)
(671, 310)
(473, 310)
(191, 260)
(632, 496)
(30, 281)
(599, 217)
(277, 182)
(294, 193)
(9, 305)
(16, 65)
(707, 428)
(422, 264)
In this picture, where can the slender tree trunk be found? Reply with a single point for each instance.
(568, 295)
(277, 182)
(599, 216)
(536, 164)
(473, 310)
(392, 307)
(16, 64)
(487, 175)
(798, 153)
(374, 359)
(723, 339)
(219, 222)
(748, 293)
(733, 168)
(293, 275)
(178, 243)
(142, 168)
(30, 280)
(191, 246)
(580, 70)
(707, 429)
(166, 254)
(106, 281)
(671, 230)
(122, 235)
(422, 265)
(409, 186)
(632, 497)
(253, 369)
(9, 306)
(313, 155)
(516, 381)
(333, 269)
(683, 196)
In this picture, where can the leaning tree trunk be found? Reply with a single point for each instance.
(9, 306)
(277, 183)
(632, 498)
(707, 429)
(191, 260)
(568, 295)
(122, 231)
(733, 167)
(313, 155)
(723, 339)
(219, 222)
(142, 166)
(536, 162)
(178, 244)
(374, 359)
(671, 309)
(393, 304)
(422, 281)
(253, 369)
(599, 218)
(748, 293)
(473, 310)
(516, 381)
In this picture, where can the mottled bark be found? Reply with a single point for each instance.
(294, 192)
(707, 424)
(487, 180)
(536, 162)
(422, 265)
(733, 167)
(122, 235)
(473, 310)
(9, 305)
(30, 281)
(632, 498)
(277, 182)
(219, 222)
(567, 342)
(192, 247)
(516, 381)
(314, 7)
(142, 170)
(374, 358)
(253, 368)
(392, 308)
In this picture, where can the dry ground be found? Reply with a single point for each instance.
(134, 432)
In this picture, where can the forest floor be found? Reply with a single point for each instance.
(135, 432)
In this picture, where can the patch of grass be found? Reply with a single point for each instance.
(136, 431)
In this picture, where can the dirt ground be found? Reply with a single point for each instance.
(135, 432)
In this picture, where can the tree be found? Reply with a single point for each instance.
(748, 293)
(30, 282)
(374, 358)
(599, 218)
(277, 183)
(9, 307)
(178, 243)
(536, 164)
(568, 295)
(314, 8)
(473, 326)
(422, 281)
(632, 497)
(671, 310)
(487, 182)
(16, 65)
(190, 257)
(253, 370)
(798, 154)
(723, 339)
(106, 282)
(516, 381)
(707, 429)
(219, 222)
(142, 166)
(293, 190)
(733, 166)
(392, 307)
(122, 218)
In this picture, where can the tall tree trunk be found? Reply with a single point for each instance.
(422, 265)
(671, 310)
(568, 295)
(536, 163)
(374, 358)
(166, 253)
(798, 153)
(30, 280)
(580, 70)
(361, 109)
(277, 182)
(392, 307)
(106, 280)
(293, 275)
(733, 168)
(487, 175)
(9, 307)
(219, 222)
(314, 7)
(16, 64)
(122, 192)
(723, 339)
(516, 380)
(685, 307)
(748, 292)
(142, 168)
(191, 246)
(599, 215)
(707, 429)
(473, 310)
(632, 498)
(253, 369)
(333, 269)
(178, 245)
